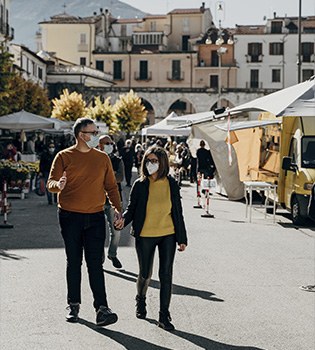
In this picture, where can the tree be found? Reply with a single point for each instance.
(69, 107)
(103, 112)
(36, 100)
(130, 112)
(17, 94)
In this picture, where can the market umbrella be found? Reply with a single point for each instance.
(25, 121)
(297, 101)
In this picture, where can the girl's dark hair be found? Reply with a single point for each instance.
(164, 166)
(80, 124)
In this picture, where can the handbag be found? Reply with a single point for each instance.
(40, 188)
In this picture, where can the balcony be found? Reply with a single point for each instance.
(251, 58)
(79, 70)
(254, 85)
(142, 76)
(148, 38)
(119, 77)
(6, 30)
(176, 76)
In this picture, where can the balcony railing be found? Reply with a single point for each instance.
(254, 85)
(143, 77)
(147, 38)
(120, 77)
(176, 76)
(253, 58)
(83, 47)
(6, 30)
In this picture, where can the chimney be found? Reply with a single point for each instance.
(274, 15)
(202, 7)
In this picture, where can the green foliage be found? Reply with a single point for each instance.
(130, 112)
(69, 107)
(17, 94)
(104, 112)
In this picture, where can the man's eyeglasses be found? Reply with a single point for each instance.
(94, 133)
(152, 161)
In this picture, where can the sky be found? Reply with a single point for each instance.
(249, 12)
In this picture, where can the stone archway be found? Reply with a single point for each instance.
(181, 106)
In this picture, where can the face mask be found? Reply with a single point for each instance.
(108, 149)
(51, 150)
(152, 168)
(93, 141)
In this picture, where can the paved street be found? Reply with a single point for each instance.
(235, 287)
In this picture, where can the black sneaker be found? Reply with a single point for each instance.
(165, 322)
(73, 315)
(116, 263)
(105, 316)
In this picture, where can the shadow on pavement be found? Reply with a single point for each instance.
(10, 256)
(205, 343)
(128, 341)
(180, 290)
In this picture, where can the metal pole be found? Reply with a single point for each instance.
(299, 42)
(219, 82)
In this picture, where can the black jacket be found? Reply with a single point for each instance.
(137, 206)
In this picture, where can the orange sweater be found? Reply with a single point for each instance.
(89, 175)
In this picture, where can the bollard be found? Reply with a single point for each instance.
(198, 206)
(207, 186)
(5, 207)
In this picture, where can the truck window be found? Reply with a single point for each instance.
(293, 151)
(308, 152)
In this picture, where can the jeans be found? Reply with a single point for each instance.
(114, 237)
(50, 196)
(84, 232)
(145, 247)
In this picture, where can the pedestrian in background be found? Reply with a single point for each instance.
(81, 175)
(127, 154)
(155, 211)
(107, 145)
(205, 163)
(45, 163)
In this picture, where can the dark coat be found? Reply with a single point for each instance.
(137, 207)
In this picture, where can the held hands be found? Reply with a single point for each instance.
(181, 247)
(118, 221)
(62, 181)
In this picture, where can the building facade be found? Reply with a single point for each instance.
(6, 31)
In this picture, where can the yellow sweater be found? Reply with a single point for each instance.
(158, 221)
(89, 175)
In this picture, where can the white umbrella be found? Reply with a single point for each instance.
(297, 101)
(25, 121)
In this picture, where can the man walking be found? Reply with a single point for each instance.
(80, 175)
(107, 145)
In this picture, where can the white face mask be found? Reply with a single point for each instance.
(152, 168)
(93, 141)
(108, 149)
(51, 150)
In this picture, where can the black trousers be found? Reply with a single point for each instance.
(84, 232)
(145, 247)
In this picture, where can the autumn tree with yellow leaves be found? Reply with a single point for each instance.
(104, 112)
(69, 107)
(130, 112)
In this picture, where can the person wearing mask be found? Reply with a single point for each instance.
(81, 175)
(127, 154)
(45, 162)
(107, 145)
(139, 152)
(155, 211)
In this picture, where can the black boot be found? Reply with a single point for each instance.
(165, 321)
(141, 311)
(73, 315)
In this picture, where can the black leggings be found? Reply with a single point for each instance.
(145, 247)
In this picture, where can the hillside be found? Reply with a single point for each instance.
(25, 15)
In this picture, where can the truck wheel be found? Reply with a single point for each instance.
(297, 219)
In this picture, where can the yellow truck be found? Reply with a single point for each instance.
(297, 171)
(282, 153)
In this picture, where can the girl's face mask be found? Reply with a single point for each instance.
(108, 149)
(152, 168)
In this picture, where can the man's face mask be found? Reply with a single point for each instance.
(93, 142)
